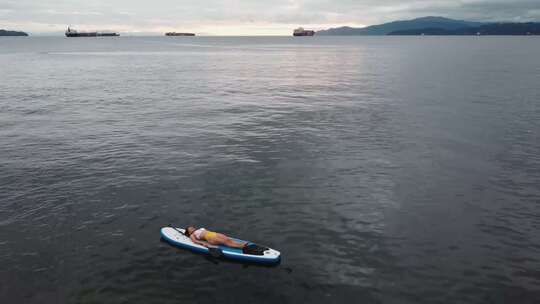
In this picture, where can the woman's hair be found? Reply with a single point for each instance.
(186, 231)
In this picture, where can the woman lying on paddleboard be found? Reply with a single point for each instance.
(204, 237)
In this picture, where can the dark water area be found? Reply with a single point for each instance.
(385, 169)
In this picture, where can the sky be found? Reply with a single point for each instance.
(244, 17)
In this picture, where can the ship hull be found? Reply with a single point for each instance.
(301, 32)
(92, 34)
(180, 34)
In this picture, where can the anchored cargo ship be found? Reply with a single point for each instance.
(179, 34)
(302, 32)
(73, 33)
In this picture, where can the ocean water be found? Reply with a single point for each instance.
(385, 169)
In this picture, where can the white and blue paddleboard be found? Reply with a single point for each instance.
(176, 237)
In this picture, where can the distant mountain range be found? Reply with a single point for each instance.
(530, 28)
(436, 26)
(12, 33)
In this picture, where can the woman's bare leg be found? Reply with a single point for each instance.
(222, 239)
(234, 244)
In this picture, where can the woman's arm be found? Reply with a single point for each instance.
(196, 241)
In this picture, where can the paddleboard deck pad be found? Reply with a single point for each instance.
(252, 253)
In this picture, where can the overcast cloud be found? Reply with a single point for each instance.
(250, 17)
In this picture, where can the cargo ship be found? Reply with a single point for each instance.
(179, 34)
(302, 32)
(73, 33)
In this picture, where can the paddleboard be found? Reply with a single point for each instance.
(177, 238)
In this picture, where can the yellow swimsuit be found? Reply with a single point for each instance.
(209, 235)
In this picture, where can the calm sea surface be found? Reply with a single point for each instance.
(385, 169)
